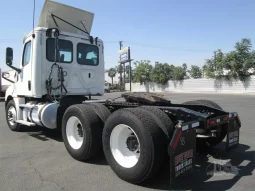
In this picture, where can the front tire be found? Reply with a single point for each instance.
(81, 132)
(11, 116)
(133, 146)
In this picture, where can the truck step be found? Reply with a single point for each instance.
(27, 106)
(25, 123)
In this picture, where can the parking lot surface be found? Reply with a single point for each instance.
(37, 160)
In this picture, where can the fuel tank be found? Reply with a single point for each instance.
(42, 114)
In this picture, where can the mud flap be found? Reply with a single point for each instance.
(234, 125)
(182, 151)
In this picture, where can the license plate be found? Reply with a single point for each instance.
(233, 134)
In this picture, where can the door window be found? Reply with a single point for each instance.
(26, 53)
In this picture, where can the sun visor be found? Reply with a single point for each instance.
(56, 12)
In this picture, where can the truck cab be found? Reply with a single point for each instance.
(60, 57)
(61, 63)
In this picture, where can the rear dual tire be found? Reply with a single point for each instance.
(134, 140)
(82, 127)
(138, 160)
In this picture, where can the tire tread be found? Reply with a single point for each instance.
(155, 134)
(95, 132)
(101, 110)
(163, 121)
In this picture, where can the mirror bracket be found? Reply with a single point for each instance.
(6, 78)
(14, 68)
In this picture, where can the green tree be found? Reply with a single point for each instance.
(195, 72)
(214, 67)
(127, 74)
(209, 68)
(184, 65)
(241, 60)
(112, 73)
(161, 73)
(142, 71)
(238, 63)
(171, 71)
(219, 63)
(133, 75)
(120, 71)
(179, 73)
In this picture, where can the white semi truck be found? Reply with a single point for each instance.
(62, 68)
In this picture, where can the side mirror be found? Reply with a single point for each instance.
(9, 56)
(9, 59)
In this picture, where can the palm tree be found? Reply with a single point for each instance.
(127, 72)
(112, 73)
(120, 71)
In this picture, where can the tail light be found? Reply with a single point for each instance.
(210, 122)
(225, 118)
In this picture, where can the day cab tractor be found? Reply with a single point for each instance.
(62, 68)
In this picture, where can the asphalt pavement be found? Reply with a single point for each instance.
(37, 160)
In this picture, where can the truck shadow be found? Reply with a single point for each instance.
(204, 176)
(45, 134)
(210, 173)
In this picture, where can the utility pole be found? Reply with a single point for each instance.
(124, 70)
(120, 42)
(130, 74)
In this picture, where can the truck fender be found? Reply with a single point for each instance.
(9, 92)
(17, 100)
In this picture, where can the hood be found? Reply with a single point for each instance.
(72, 15)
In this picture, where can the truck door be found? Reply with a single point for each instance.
(24, 83)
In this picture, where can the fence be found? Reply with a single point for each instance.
(202, 85)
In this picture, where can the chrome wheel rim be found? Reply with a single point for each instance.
(11, 115)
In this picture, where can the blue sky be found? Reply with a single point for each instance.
(171, 31)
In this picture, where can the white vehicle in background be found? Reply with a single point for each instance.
(62, 66)
(7, 78)
(107, 87)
